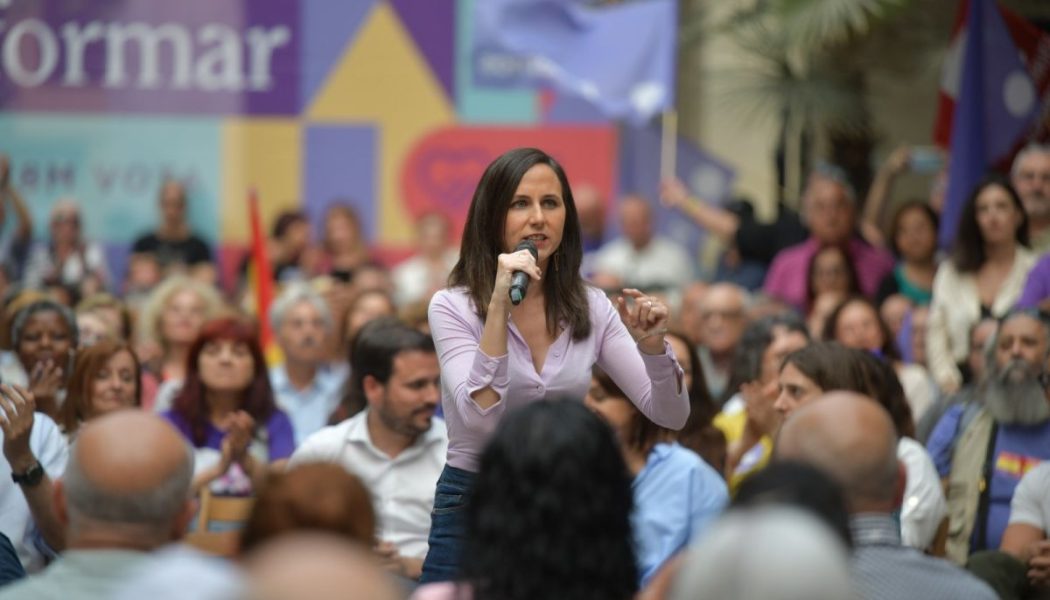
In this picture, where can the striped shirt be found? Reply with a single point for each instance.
(884, 569)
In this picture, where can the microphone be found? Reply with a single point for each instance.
(519, 281)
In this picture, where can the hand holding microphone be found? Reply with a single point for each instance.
(519, 283)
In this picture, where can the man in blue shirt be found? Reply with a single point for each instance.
(307, 386)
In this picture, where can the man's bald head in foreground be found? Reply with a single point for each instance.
(851, 438)
(127, 482)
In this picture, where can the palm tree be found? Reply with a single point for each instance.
(811, 60)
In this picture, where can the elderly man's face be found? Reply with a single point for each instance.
(722, 318)
(303, 333)
(1031, 179)
(829, 212)
(1021, 338)
(1013, 391)
(636, 222)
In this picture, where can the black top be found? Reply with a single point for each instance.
(762, 241)
(187, 251)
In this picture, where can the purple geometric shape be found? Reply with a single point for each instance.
(340, 166)
(432, 24)
(327, 29)
(570, 109)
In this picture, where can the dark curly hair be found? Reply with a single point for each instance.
(549, 513)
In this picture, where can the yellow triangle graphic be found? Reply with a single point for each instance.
(383, 79)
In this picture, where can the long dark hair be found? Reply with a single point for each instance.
(549, 513)
(968, 253)
(702, 409)
(831, 324)
(642, 434)
(832, 366)
(257, 399)
(482, 243)
(699, 434)
(887, 390)
(851, 272)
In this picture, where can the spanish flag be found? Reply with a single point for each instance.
(260, 279)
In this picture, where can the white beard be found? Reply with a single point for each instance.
(1014, 396)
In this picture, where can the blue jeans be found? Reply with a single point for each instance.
(447, 524)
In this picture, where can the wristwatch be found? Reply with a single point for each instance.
(32, 476)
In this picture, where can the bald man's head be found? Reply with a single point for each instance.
(128, 471)
(850, 437)
(317, 566)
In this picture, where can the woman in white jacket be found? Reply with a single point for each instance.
(983, 277)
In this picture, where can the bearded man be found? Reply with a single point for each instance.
(985, 450)
(392, 440)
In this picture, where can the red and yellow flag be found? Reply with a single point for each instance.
(260, 278)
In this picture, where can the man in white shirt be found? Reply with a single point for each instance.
(639, 259)
(393, 443)
(35, 451)
(306, 386)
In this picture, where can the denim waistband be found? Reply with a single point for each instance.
(456, 476)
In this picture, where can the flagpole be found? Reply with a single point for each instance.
(668, 144)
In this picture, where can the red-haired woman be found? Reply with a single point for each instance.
(106, 377)
(226, 409)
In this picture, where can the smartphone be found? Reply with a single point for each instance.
(925, 159)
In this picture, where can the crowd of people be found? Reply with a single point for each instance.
(844, 410)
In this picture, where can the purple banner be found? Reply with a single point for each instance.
(184, 57)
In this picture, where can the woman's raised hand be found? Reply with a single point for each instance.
(645, 318)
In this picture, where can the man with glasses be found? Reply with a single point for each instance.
(722, 322)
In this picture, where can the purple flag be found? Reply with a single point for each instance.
(997, 104)
(620, 58)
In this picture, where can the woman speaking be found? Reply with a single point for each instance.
(496, 355)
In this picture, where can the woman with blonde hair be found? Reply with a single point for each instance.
(168, 325)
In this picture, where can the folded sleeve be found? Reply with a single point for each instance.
(465, 369)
